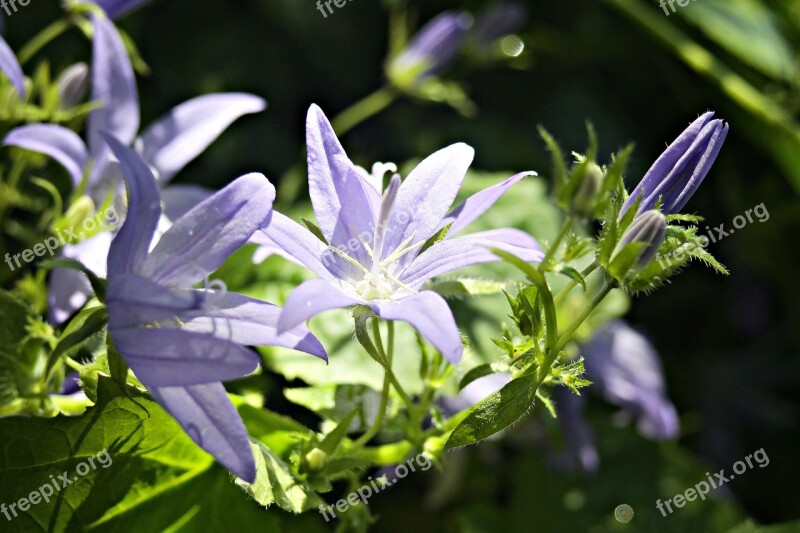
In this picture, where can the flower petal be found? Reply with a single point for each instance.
(250, 322)
(344, 203)
(312, 298)
(117, 8)
(425, 197)
(114, 86)
(10, 67)
(302, 245)
(452, 254)
(130, 247)
(180, 199)
(200, 241)
(207, 415)
(166, 357)
(176, 139)
(429, 314)
(60, 143)
(68, 290)
(477, 204)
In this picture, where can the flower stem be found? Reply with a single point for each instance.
(551, 251)
(567, 335)
(365, 108)
(376, 424)
(43, 38)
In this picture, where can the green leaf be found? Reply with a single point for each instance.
(147, 454)
(313, 228)
(476, 373)
(573, 274)
(436, 237)
(332, 439)
(89, 322)
(748, 30)
(468, 287)
(276, 483)
(559, 167)
(496, 412)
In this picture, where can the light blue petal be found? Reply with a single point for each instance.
(310, 299)
(10, 67)
(60, 143)
(176, 139)
(201, 240)
(207, 415)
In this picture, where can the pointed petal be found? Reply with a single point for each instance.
(114, 86)
(344, 203)
(180, 199)
(249, 322)
(302, 245)
(117, 8)
(312, 298)
(61, 144)
(169, 356)
(129, 248)
(425, 197)
(68, 290)
(452, 254)
(267, 248)
(477, 204)
(200, 241)
(429, 314)
(10, 67)
(176, 139)
(207, 415)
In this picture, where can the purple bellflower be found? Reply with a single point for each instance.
(431, 50)
(181, 342)
(166, 146)
(578, 451)
(372, 254)
(626, 370)
(119, 8)
(499, 20)
(10, 67)
(679, 171)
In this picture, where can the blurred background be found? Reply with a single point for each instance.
(729, 344)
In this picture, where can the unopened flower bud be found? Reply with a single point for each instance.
(649, 228)
(583, 199)
(316, 459)
(73, 85)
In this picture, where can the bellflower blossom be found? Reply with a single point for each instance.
(11, 68)
(373, 251)
(497, 21)
(679, 171)
(167, 146)
(431, 50)
(625, 369)
(118, 8)
(181, 342)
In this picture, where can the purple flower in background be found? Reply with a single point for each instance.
(181, 342)
(431, 50)
(626, 370)
(118, 8)
(167, 146)
(578, 450)
(679, 171)
(474, 393)
(499, 20)
(10, 67)
(372, 255)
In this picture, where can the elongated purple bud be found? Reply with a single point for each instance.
(679, 171)
(431, 50)
(73, 85)
(649, 228)
(10, 67)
